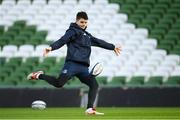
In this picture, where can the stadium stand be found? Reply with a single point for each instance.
(147, 30)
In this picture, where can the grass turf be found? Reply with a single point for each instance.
(78, 113)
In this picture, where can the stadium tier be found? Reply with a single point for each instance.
(19, 34)
(147, 30)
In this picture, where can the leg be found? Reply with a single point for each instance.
(90, 81)
(67, 72)
(57, 82)
(93, 88)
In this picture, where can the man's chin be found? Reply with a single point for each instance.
(84, 28)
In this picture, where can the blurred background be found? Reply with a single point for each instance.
(147, 73)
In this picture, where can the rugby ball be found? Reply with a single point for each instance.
(38, 104)
(97, 69)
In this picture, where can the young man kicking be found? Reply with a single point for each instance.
(79, 43)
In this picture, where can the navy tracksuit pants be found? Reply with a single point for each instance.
(79, 70)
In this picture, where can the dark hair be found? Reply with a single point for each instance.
(81, 14)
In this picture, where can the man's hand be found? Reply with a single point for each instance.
(117, 50)
(46, 51)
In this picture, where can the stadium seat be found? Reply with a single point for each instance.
(1, 30)
(118, 81)
(102, 80)
(2, 61)
(10, 48)
(6, 54)
(3, 75)
(26, 48)
(154, 81)
(40, 48)
(136, 81)
(15, 60)
(32, 61)
(20, 23)
(172, 81)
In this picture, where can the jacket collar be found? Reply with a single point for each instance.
(76, 26)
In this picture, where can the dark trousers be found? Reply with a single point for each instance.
(81, 71)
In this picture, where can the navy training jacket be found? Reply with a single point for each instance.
(79, 44)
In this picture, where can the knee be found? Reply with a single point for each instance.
(61, 80)
(58, 86)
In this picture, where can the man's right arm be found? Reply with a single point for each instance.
(59, 43)
(63, 40)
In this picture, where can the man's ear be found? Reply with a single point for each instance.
(77, 20)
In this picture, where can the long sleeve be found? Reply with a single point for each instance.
(63, 40)
(101, 43)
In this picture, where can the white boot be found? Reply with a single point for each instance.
(34, 75)
(92, 111)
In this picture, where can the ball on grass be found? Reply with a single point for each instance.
(38, 104)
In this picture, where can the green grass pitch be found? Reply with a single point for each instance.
(119, 113)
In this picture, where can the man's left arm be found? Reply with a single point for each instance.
(105, 45)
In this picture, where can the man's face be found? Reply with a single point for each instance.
(82, 23)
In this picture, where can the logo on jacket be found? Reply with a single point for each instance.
(64, 71)
(86, 35)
